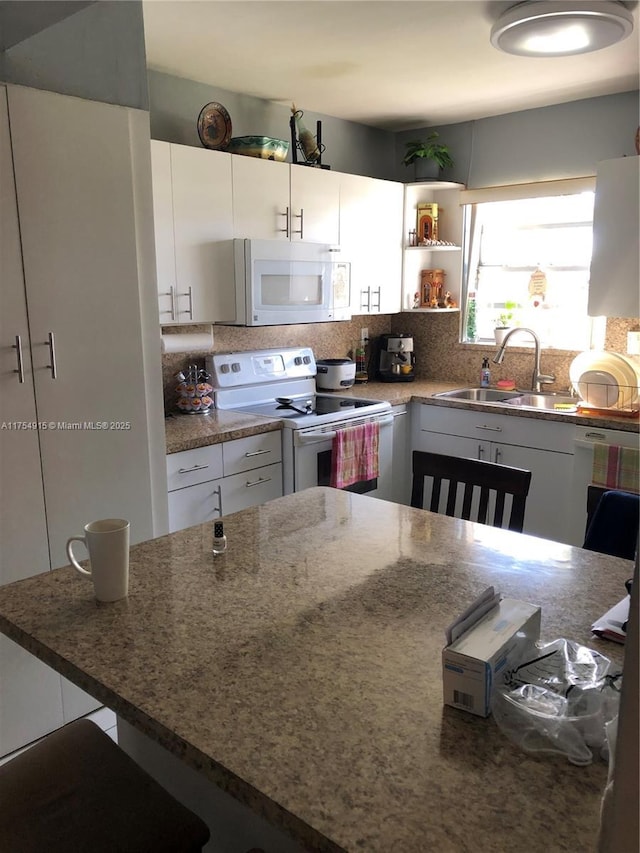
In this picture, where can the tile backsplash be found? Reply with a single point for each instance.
(439, 355)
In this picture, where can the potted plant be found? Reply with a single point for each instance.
(428, 157)
(505, 321)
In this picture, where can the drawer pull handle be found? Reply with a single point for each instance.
(193, 468)
(490, 428)
(258, 482)
(256, 453)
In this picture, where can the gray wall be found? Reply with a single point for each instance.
(97, 53)
(175, 104)
(563, 141)
(548, 143)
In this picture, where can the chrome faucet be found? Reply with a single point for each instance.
(538, 378)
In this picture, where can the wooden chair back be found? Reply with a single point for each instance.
(488, 477)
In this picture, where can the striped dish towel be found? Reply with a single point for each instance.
(616, 467)
(354, 455)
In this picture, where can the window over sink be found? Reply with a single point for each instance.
(527, 259)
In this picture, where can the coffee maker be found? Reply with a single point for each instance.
(396, 360)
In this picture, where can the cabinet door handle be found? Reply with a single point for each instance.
(256, 453)
(20, 368)
(218, 491)
(480, 451)
(195, 467)
(378, 305)
(286, 222)
(299, 216)
(490, 428)
(366, 307)
(497, 455)
(189, 294)
(257, 482)
(171, 294)
(52, 355)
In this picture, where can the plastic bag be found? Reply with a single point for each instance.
(559, 701)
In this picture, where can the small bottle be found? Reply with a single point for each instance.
(485, 374)
(361, 361)
(219, 539)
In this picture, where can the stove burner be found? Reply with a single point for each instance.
(287, 403)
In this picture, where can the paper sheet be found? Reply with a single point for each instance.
(609, 626)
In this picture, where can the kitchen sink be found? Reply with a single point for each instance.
(480, 395)
(548, 402)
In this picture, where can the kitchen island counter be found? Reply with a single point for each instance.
(301, 671)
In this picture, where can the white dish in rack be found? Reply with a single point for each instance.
(595, 376)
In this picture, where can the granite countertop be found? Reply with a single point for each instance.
(184, 432)
(301, 670)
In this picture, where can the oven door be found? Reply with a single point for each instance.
(312, 449)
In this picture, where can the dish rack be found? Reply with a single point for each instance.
(607, 383)
(193, 390)
(601, 398)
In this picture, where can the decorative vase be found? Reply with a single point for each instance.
(426, 170)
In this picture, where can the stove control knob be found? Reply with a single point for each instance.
(307, 359)
(224, 368)
(297, 359)
(235, 367)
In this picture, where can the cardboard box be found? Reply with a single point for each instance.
(497, 642)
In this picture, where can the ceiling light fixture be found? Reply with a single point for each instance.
(547, 28)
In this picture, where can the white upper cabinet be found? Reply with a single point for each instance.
(371, 240)
(279, 201)
(613, 285)
(315, 205)
(193, 215)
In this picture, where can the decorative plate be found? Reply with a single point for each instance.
(214, 126)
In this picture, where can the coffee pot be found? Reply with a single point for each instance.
(395, 358)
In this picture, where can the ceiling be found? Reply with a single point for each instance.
(389, 64)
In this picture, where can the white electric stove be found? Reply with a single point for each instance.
(280, 383)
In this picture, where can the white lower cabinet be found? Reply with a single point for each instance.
(543, 447)
(209, 482)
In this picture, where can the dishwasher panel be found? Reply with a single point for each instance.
(585, 440)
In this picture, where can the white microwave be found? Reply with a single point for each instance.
(278, 283)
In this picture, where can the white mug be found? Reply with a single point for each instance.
(107, 542)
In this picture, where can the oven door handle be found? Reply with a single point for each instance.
(312, 437)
